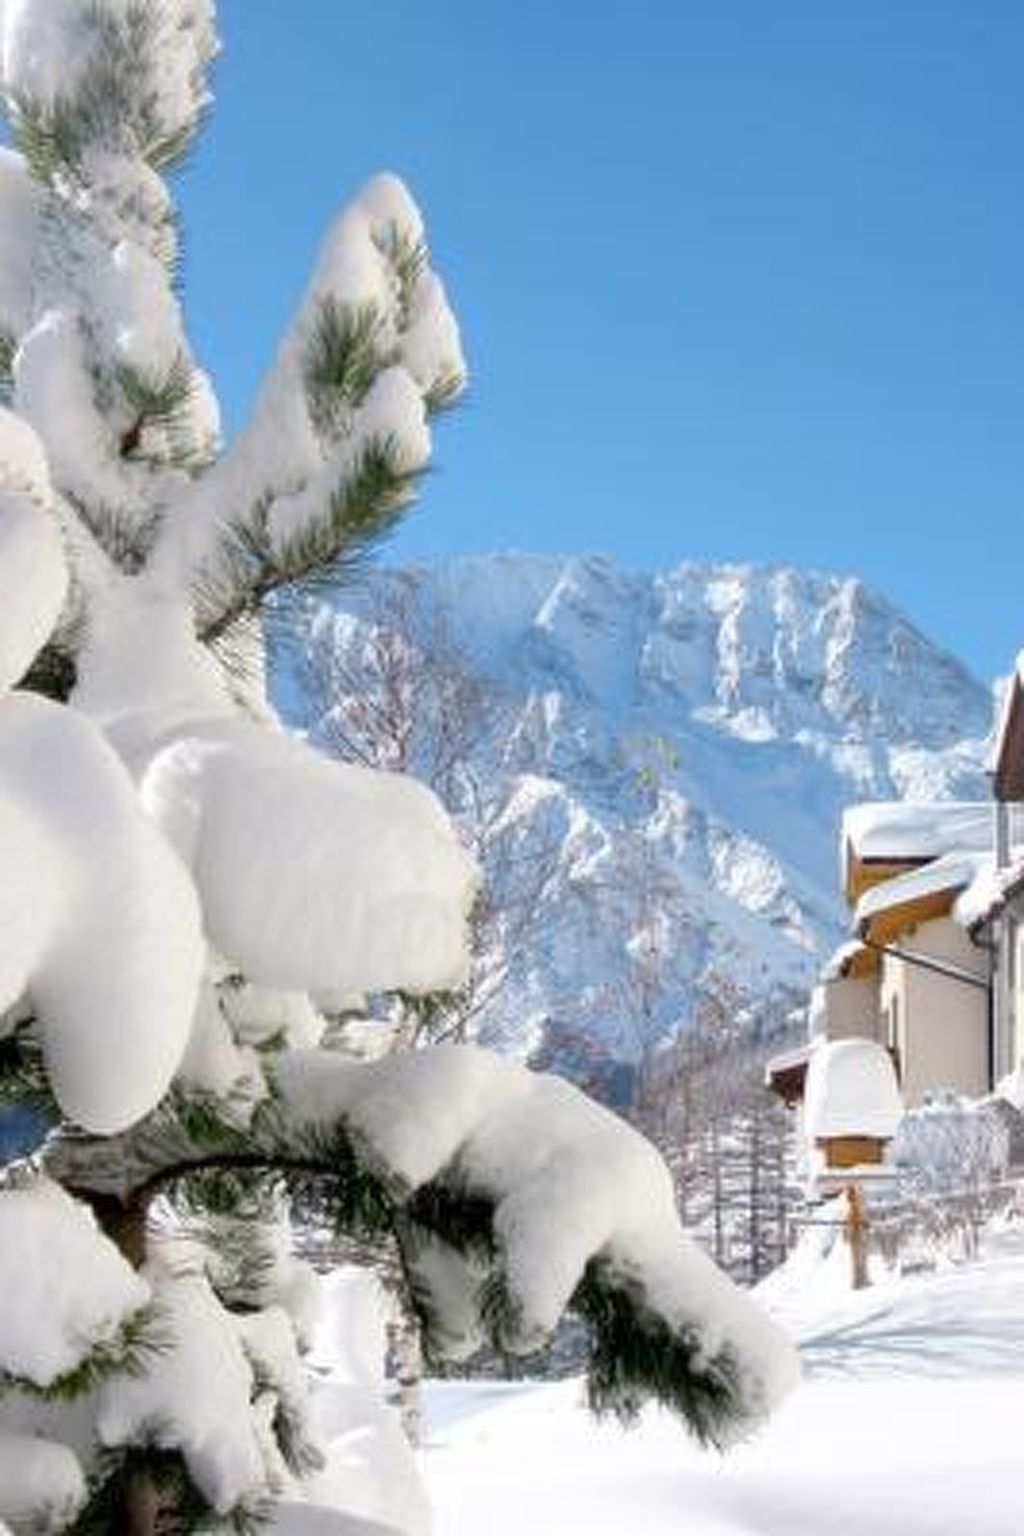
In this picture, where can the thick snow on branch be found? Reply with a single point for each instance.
(194, 1395)
(50, 47)
(391, 344)
(100, 921)
(66, 1289)
(313, 875)
(35, 574)
(42, 1485)
(23, 465)
(569, 1186)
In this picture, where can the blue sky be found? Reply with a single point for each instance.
(739, 279)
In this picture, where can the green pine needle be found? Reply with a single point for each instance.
(344, 355)
(408, 260)
(635, 1355)
(111, 100)
(129, 1353)
(159, 398)
(363, 510)
(444, 392)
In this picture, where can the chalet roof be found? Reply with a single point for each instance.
(923, 893)
(894, 835)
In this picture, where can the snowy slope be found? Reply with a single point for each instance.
(688, 739)
(907, 1424)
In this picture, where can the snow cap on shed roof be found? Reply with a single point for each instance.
(851, 1090)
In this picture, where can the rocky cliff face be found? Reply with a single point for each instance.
(678, 748)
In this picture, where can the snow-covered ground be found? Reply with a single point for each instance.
(909, 1422)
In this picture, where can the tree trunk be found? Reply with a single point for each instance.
(856, 1236)
(407, 1355)
(140, 1505)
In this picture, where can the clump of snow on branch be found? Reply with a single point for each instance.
(101, 924)
(42, 1485)
(35, 573)
(195, 1395)
(569, 1182)
(380, 896)
(293, 453)
(66, 1288)
(48, 47)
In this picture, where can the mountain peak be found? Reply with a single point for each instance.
(699, 729)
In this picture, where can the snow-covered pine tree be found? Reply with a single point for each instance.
(184, 889)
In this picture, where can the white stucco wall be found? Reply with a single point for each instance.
(851, 1008)
(939, 1026)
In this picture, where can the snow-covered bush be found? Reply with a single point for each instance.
(952, 1144)
(185, 889)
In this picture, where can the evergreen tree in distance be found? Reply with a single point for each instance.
(187, 893)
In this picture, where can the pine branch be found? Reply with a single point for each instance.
(159, 1480)
(408, 260)
(444, 393)
(111, 101)
(363, 510)
(128, 1353)
(343, 356)
(634, 1355)
(160, 399)
(124, 535)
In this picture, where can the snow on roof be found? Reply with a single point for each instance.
(838, 963)
(896, 829)
(1006, 687)
(851, 1090)
(953, 872)
(783, 1061)
(1006, 740)
(987, 892)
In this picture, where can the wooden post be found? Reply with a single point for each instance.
(856, 1236)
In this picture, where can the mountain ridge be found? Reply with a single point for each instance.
(692, 733)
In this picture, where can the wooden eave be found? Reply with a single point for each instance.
(862, 965)
(863, 874)
(891, 923)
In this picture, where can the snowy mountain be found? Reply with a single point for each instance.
(677, 748)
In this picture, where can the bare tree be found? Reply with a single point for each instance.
(728, 1142)
(392, 685)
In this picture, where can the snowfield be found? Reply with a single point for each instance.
(909, 1422)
